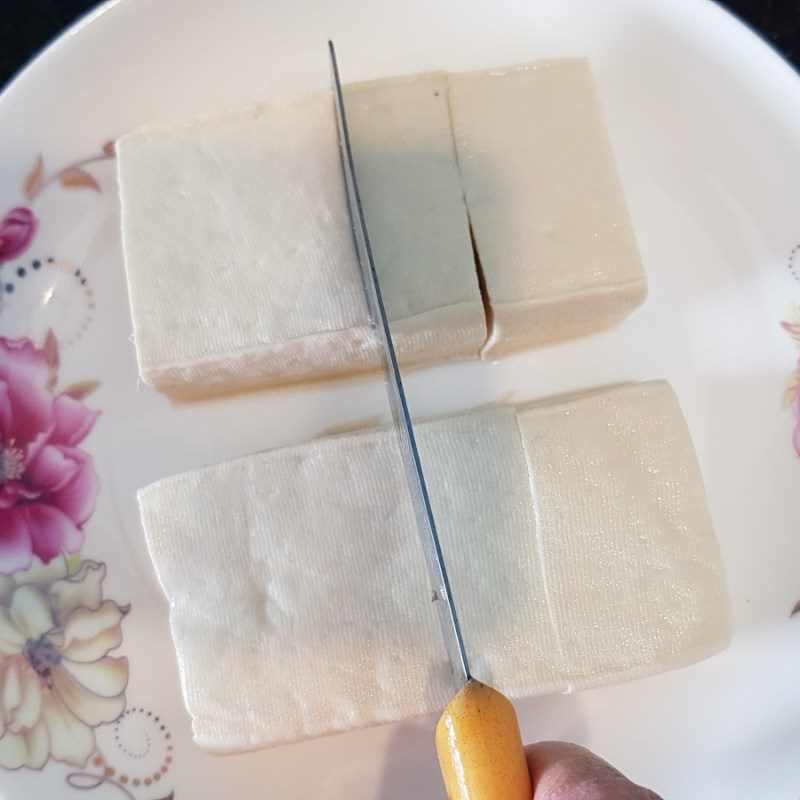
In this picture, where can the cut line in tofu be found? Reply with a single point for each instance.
(414, 206)
(550, 226)
(577, 538)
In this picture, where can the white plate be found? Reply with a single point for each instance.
(705, 120)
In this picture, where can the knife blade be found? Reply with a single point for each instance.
(477, 738)
(415, 477)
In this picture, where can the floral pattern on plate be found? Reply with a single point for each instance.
(17, 229)
(62, 688)
(48, 484)
(57, 679)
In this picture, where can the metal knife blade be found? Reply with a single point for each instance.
(426, 525)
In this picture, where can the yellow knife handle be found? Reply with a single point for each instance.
(480, 747)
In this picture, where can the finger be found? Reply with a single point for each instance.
(562, 771)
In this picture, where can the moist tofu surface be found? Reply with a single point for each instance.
(549, 217)
(576, 534)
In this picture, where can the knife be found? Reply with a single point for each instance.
(477, 737)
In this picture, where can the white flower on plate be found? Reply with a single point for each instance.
(57, 681)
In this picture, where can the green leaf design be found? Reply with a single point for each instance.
(73, 562)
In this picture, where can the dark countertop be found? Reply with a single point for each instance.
(27, 25)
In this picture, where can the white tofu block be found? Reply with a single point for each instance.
(635, 581)
(238, 251)
(414, 205)
(548, 214)
(239, 254)
(579, 546)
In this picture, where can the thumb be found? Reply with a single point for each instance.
(561, 771)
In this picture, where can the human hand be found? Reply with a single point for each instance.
(561, 771)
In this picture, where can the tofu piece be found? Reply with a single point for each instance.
(238, 248)
(417, 219)
(322, 608)
(576, 534)
(634, 572)
(548, 215)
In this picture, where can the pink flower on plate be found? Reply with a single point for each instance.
(17, 229)
(47, 484)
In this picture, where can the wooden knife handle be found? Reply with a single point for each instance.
(480, 747)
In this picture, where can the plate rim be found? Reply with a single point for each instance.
(35, 63)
